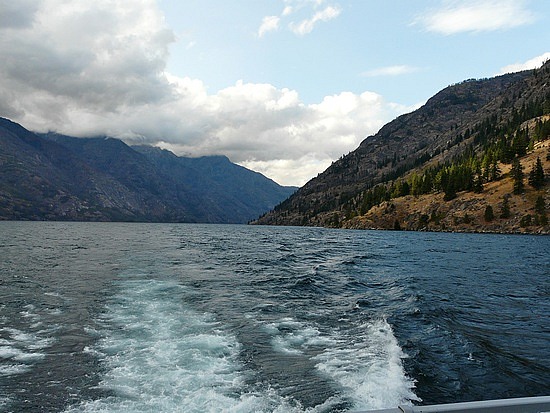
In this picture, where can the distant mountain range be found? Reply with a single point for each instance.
(456, 147)
(56, 177)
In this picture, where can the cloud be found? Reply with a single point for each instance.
(533, 63)
(476, 16)
(268, 129)
(99, 68)
(306, 26)
(269, 23)
(97, 56)
(294, 172)
(396, 70)
(287, 11)
(17, 14)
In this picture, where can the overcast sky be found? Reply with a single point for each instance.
(283, 87)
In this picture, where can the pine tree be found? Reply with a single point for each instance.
(494, 173)
(478, 181)
(450, 191)
(520, 142)
(486, 165)
(540, 205)
(536, 176)
(505, 207)
(489, 214)
(517, 176)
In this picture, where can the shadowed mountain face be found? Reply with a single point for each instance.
(55, 177)
(439, 132)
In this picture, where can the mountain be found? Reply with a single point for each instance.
(56, 177)
(444, 149)
(218, 188)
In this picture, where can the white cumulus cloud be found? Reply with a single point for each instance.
(99, 68)
(316, 11)
(476, 16)
(533, 63)
(294, 171)
(306, 26)
(287, 10)
(395, 70)
(269, 24)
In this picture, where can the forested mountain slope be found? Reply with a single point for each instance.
(459, 142)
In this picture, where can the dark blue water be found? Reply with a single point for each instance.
(98, 317)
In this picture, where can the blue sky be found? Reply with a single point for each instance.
(220, 42)
(283, 87)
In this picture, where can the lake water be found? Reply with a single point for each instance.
(102, 317)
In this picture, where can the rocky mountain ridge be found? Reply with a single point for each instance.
(56, 177)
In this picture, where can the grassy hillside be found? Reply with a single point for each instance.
(468, 212)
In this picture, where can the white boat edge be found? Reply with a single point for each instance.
(520, 405)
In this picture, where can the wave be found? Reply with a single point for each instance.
(368, 367)
(370, 371)
(159, 354)
(20, 351)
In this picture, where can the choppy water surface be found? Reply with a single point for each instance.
(98, 317)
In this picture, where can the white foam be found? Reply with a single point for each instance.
(294, 337)
(8, 352)
(15, 360)
(29, 312)
(12, 369)
(19, 352)
(371, 371)
(30, 340)
(29, 357)
(208, 401)
(4, 403)
(162, 356)
(13, 353)
(54, 311)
